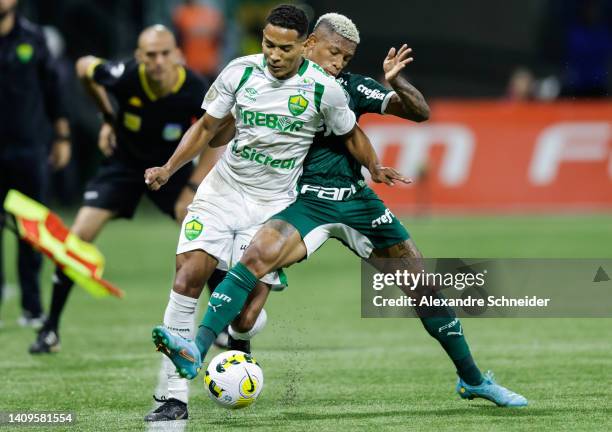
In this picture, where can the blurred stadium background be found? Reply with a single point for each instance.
(529, 64)
(516, 161)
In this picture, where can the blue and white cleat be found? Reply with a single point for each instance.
(491, 391)
(182, 352)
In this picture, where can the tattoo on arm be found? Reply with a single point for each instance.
(408, 102)
(405, 249)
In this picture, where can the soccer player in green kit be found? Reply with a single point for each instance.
(334, 201)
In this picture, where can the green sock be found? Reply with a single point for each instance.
(449, 333)
(224, 305)
(443, 325)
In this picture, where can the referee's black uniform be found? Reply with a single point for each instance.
(148, 130)
(30, 96)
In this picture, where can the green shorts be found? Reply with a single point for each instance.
(362, 223)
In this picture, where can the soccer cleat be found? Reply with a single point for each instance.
(239, 345)
(491, 391)
(182, 352)
(46, 342)
(170, 409)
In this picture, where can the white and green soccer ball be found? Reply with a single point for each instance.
(233, 379)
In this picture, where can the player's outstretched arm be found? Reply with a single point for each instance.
(360, 147)
(197, 137)
(408, 102)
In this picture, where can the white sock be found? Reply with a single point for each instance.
(178, 318)
(259, 325)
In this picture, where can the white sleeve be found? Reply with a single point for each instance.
(338, 117)
(221, 97)
(385, 102)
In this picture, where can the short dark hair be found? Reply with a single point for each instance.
(289, 17)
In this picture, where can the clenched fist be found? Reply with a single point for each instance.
(156, 177)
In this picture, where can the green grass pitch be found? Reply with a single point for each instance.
(326, 369)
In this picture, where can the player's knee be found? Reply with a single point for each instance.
(180, 285)
(186, 283)
(260, 258)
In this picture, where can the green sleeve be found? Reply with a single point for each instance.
(369, 95)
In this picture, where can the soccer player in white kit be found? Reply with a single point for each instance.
(279, 100)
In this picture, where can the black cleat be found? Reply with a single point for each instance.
(47, 342)
(237, 344)
(170, 409)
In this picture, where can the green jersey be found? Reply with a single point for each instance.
(330, 171)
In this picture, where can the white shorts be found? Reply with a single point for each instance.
(222, 221)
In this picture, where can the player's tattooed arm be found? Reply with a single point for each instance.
(360, 147)
(407, 102)
(197, 137)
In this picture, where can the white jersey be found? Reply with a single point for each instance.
(276, 121)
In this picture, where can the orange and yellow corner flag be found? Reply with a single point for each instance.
(80, 261)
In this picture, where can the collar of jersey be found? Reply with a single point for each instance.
(182, 74)
(301, 71)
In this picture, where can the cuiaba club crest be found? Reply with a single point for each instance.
(193, 229)
(25, 52)
(297, 104)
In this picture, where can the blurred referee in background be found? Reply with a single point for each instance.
(30, 96)
(156, 99)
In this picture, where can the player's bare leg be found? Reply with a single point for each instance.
(87, 225)
(443, 325)
(193, 269)
(251, 320)
(252, 308)
(284, 247)
(180, 212)
(275, 245)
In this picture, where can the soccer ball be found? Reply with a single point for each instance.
(233, 379)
